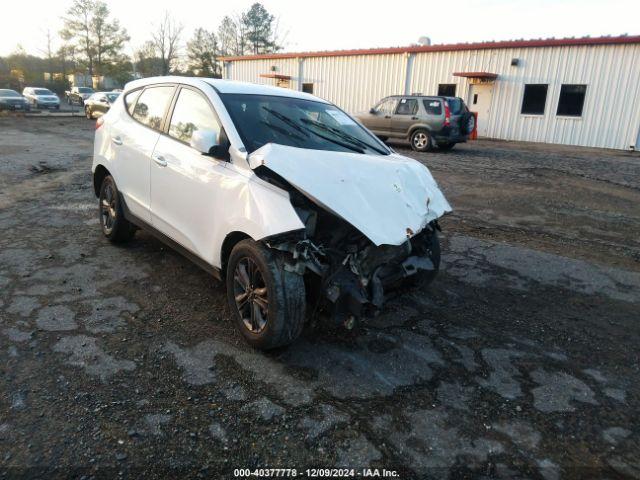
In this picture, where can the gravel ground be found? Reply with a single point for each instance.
(520, 361)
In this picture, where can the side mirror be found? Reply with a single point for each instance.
(373, 111)
(204, 141)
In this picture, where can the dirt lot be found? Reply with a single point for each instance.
(521, 360)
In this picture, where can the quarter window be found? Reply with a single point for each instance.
(152, 105)
(407, 106)
(130, 100)
(534, 99)
(433, 107)
(571, 100)
(191, 113)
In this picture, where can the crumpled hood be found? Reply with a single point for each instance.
(386, 197)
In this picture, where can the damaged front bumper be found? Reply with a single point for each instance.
(354, 285)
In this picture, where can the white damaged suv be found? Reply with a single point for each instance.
(281, 194)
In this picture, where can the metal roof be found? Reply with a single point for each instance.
(536, 43)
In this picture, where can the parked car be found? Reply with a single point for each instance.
(99, 103)
(427, 122)
(12, 100)
(274, 191)
(41, 98)
(78, 95)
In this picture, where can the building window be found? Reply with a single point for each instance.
(571, 100)
(447, 90)
(534, 99)
(307, 88)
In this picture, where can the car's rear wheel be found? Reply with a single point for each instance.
(267, 301)
(114, 225)
(421, 140)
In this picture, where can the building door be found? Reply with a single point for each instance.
(480, 102)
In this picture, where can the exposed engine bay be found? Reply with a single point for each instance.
(351, 273)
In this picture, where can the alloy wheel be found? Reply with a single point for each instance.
(251, 295)
(108, 208)
(420, 140)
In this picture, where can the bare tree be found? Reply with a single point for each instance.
(166, 40)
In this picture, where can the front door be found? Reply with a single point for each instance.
(378, 120)
(185, 184)
(480, 101)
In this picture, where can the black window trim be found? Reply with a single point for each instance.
(546, 100)
(584, 100)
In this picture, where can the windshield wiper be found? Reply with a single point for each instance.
(282, 131)
(286, 120)
(344, 135)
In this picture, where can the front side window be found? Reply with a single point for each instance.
(387, 106)
(191, 113)
(407, 106)
(152, 105)
(534, 99)
(571, 100)
(296, 122)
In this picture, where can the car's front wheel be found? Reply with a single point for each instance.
(114, 225)
(421, 140)
(267, 301)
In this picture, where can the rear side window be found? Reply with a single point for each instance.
(191, 113)
(433, 107)
(407, 106)
(152, 105)
(130, 100)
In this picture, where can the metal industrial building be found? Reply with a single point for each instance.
(575, 91)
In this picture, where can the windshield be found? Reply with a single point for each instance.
(112, 96)
(8, 93)
(296, 122)
(85, 90)
(42, 91)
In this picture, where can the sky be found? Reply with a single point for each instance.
(344, 24)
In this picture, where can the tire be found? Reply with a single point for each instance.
(467, 123)
(88, 114)
(445, 147)
(430, 247)
(259, 272)
(421, 140)
(114, 226)
(383, 138)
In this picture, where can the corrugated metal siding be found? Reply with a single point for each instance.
(611, 113)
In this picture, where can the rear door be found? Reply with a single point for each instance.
(133, 137)
(186, 184)
(405, 116)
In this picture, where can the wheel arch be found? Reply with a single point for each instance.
(419, 126)
(230, 241)
(99, 175)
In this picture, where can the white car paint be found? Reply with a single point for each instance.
(387, 197)
(198, 201)
(49, 100)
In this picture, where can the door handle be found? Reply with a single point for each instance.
(116, 140)
(387, 116)
(159, 159)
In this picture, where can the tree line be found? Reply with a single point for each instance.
(94, 43)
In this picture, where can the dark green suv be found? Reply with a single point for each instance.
(427, 122)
